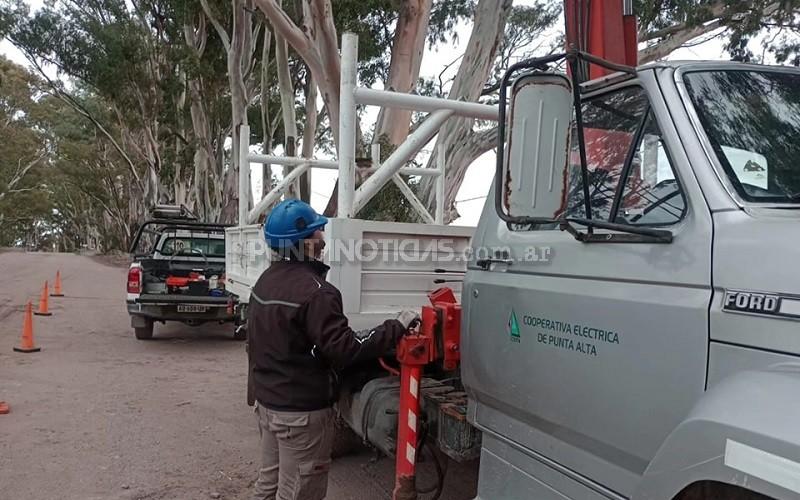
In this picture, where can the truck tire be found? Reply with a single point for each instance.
(713, 490)
(345, 441)
(144, 332)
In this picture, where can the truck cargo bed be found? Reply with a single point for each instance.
(380, 267)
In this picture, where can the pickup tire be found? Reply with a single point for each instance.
(144, 332)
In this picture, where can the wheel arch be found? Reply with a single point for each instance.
(742, 434)
(705, 490)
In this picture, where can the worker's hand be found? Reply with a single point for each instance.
(408, 319)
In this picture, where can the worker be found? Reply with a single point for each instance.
(298, 340)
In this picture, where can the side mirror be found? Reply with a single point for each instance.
(532, 188)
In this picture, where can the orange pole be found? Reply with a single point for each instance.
(43, 303)
(413, 352)
(407, 427)
(26, 342)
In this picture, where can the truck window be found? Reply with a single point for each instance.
(631, 179)
(202, 246)
(752, 120)
(652, 195)
(610, 122)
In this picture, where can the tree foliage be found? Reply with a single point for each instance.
(61, 184)
(129, 70)
(22, 156)
(128, 104)
(670, 24)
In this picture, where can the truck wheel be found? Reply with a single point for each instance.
(713, 490)
(240, 333)
(345, 441)
(144, 332)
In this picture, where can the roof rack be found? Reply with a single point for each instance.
(172, 212)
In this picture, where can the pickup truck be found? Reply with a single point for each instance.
(178, 274)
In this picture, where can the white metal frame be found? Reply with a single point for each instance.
(350, 199)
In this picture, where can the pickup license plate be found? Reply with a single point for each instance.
(192, 309)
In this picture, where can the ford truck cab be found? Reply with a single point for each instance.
(631, 325)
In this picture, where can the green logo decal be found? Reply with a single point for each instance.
(513, 327)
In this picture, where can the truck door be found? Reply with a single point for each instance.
(587, 355)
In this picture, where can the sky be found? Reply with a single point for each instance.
(473, 191)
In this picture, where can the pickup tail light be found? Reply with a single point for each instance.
(135, 280)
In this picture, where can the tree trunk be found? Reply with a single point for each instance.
(675, 41)
(487, 31)
(238, 62)
(318, 16)
(203, 156)
(407, 49)
(204, 150)
(179, 185)
(287, 107)
(472, 147)
(316, 43)
(309, 135)
(266, 123)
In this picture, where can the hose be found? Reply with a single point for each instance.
(441, 470)
(393, 371)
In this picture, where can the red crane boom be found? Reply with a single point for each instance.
(603, 28)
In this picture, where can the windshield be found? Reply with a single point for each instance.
(193, 247)
(752, 119)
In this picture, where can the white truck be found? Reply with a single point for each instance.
(177, 273)
(630, 302)
(381, 267)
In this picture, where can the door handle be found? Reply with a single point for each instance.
(485, 264)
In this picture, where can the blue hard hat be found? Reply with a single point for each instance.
(291, 221)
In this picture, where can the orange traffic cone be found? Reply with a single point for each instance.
(26, 344)
(43, 309)
(4, 408)
(57, 288)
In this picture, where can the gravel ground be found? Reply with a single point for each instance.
(99, 415)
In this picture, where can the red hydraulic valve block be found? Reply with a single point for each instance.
(441, 322)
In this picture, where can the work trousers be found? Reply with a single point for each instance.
(295, 454)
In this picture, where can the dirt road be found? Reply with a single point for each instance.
(99, 415)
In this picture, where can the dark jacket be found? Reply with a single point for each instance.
(298, 337)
